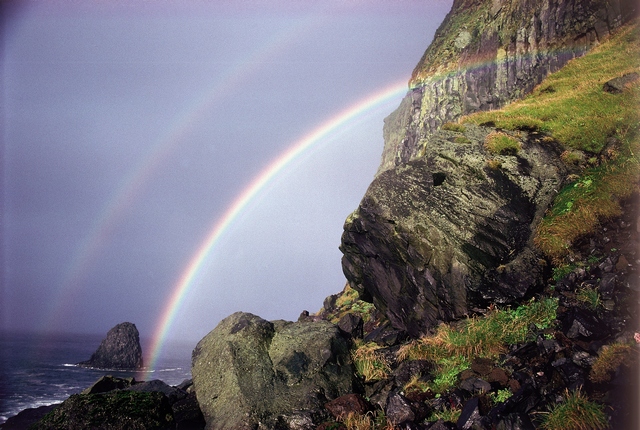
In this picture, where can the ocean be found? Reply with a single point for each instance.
(38, 370)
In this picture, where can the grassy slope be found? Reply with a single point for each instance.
(599, 130)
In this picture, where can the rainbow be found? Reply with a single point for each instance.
(196, 263)
(133, 184)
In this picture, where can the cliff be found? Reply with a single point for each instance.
(451, 223)
(487, 53)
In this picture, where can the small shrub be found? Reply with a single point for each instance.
(575, 412)
(452, 126)
(369, 363)
(609, 359)
(502, 144)
(500, 396)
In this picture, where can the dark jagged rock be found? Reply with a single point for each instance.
(487, 53)
(114, 410)
(119, 350)
(249, 372)
(427, 250)
(109, 383)
(27, 417)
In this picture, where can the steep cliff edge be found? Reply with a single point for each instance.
(487, 53)
(449, 224)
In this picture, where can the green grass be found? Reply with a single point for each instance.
(610, 357)
(575, 412)
(502, 144)
(348, 302)
(452, 126)
(369, 363)
(572, 108)
(590, 296)
(453, 348)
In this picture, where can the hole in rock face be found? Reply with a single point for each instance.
(438, 178)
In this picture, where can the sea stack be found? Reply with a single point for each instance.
(119, 350)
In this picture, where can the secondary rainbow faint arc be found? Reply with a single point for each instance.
(258, 183)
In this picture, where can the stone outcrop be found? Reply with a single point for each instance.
(452, 229)
(487, 53)
(113, 410)
(119, 350)
(250, 373)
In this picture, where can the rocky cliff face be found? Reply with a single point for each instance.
(487, 53)
(446, 226)
(450, 231)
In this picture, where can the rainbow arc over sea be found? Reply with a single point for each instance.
(186, 280)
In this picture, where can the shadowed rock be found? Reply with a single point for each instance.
(119, 350)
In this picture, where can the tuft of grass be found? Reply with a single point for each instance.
(609, 359)
(368, 421)
(349, 302)
(590, 296)
(369, 363)
(494, 164)
(502, 144)
(452, 348)
(575, 412)
(452, 126)
(448, 414)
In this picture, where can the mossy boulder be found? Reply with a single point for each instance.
(448, 232)
(250, 373)
(114, 410)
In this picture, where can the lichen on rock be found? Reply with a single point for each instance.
(446, 232)
(250, 373)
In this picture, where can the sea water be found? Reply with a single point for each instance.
(38, 370)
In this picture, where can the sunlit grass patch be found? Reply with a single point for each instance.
(576, 412)
(369, 363)
(453, 348)
(609, 359)
(580, 206)
(571, 104)
(502, 144)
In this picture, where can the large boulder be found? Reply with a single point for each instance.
(452, 229)
(250, 373)
(119, 350)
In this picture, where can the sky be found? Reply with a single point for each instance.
(131, 128)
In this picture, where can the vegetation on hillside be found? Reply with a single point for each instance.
(599, 130)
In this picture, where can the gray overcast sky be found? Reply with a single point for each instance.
(129, 127)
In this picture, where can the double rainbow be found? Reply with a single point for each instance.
(186, 280)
